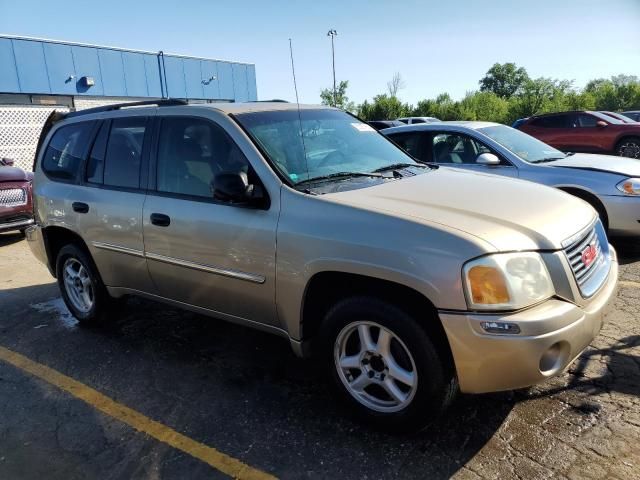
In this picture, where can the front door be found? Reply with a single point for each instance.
(452, 149)
(202, 251)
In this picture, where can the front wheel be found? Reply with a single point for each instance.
(629, 147)
(384, 365)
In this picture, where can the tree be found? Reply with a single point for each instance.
(383, 107)
(395, 84)
(341, 99)
(505, 80)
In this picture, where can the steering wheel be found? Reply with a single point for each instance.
(336, 158)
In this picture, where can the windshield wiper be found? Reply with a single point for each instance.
(339, 175)
(397, 166)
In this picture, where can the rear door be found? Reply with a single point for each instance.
(556, 130)
(111, 198)
(201, 251)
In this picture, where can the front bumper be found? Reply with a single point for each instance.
(18, 224)
(623, 213)
(552, 335)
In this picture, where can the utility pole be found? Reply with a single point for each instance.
(332, 33)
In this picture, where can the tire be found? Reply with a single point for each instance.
(428, 385)
(92, 308)
(629, 147)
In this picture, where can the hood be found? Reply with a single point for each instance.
(13, 174)
(608, 163)
(509, 214)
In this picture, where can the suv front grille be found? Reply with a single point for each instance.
(589, 259)
(12, 197)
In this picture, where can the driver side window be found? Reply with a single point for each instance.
(191, 151)
(455, 148)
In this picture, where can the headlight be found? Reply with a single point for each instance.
(506, 281)
(630, 186)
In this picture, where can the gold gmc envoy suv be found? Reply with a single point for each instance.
(406, 281)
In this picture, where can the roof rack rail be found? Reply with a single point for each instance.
(275, 100)
(117, 106)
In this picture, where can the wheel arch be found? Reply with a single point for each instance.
(55, 238)
(589, 197)
(325, 288)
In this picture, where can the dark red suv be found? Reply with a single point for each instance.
(590, 132)
(16, 206)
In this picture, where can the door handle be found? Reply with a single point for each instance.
(80, 207)
(160, 219)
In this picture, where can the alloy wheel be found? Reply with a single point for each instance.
(78, 285)
(375, 366)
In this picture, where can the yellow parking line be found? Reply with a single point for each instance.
(218, 460)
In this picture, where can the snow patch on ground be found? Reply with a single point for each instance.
(58, 311)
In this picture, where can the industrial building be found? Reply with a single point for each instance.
(38, 76)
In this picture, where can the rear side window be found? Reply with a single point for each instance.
(409, 142)
(95, 165)
(123, 157)
(555, 121)
(63, 155)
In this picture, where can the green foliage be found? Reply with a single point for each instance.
(383, 107)
(508, 93)
(341, 100)
(505, 80)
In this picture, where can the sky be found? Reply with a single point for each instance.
(436, 46)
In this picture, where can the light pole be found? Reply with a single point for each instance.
(332, 33)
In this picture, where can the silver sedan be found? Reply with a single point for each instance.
(610, 184)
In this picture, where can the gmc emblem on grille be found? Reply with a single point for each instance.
(589, 255)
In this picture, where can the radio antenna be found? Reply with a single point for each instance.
(295, 87)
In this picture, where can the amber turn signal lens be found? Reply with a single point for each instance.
(488, 285)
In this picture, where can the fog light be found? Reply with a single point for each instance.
(554, 358)
(500, 327)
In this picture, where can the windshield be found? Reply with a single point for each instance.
(334, 143)
(524, 146)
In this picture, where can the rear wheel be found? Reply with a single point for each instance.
(629, 147)
(82, 289)
(384, 365)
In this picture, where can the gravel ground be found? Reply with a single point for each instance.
(244, 393)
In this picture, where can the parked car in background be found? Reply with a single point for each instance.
(382, 124)
(619, 116)
(611, 185)
(16, 208)
(405, 280)
(519, 122)
(633, 114)
(413, 120)
(585, 132)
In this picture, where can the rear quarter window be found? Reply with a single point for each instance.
(63, 156)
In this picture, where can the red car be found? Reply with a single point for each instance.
(591, 132)
(16, 206)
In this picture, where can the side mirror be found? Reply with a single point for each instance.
(601, 123)
(8, 162)
(234, 187)
(487, 159)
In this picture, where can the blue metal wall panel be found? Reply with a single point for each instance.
(174, 77)
(210, 86)
(240, 82)
(225, 81)
(192, 77)
(112, 73)
(8, 73)
(62, 73)
(32, 67)
(251, 83)
(152, 72)
(135, 75)
(86, 62)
